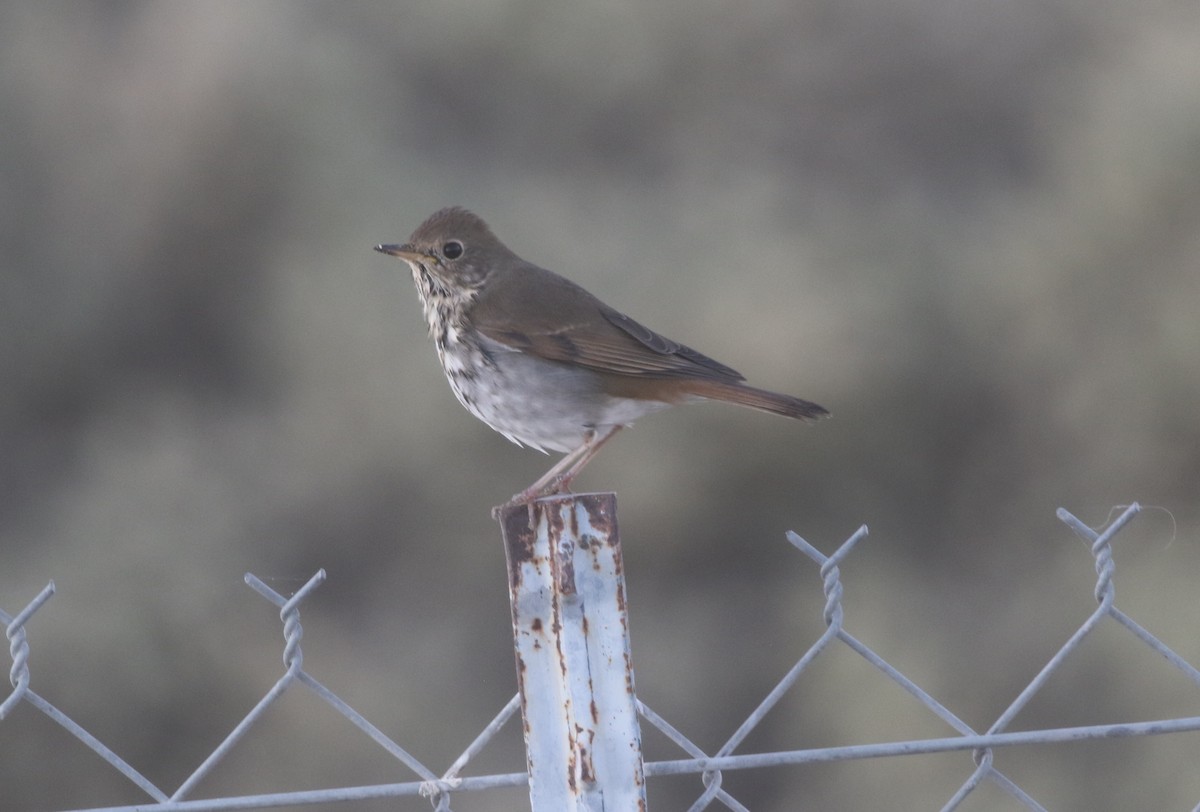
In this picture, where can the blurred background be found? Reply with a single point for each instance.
(969, 229)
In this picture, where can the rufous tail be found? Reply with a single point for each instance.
(760, 399)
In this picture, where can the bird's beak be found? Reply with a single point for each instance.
(405, 252)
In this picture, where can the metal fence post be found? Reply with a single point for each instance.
(574, 671)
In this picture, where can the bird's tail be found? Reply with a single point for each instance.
(761, 399)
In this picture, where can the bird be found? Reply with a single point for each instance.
(544, 362)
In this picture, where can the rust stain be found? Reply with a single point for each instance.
(557, 636)
(521, 670)
(519, 540)
(562, 551)
(572, 761)
(573, 516)
(587, 769)
(554, 518)
(587, 772)
(564, 570)
(602, 513)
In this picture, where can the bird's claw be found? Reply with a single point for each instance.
(558, 485)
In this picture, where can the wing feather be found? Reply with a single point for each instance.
(536, 311)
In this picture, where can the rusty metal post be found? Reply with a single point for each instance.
(570, 630)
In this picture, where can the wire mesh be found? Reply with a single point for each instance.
(441, 787)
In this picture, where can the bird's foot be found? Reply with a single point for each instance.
(558, 485)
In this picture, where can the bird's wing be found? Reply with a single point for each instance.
(560, 321)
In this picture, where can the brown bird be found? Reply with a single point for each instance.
(544, 362)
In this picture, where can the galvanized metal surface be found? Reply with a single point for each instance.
(574, 672)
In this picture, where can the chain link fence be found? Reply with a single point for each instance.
(442, 786)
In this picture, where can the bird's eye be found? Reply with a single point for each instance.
(452, 250)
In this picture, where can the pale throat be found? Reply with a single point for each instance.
(444, 308)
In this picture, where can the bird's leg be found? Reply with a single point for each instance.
(558, 479)
(561, 481)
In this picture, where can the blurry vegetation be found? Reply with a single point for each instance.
(971, 230)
